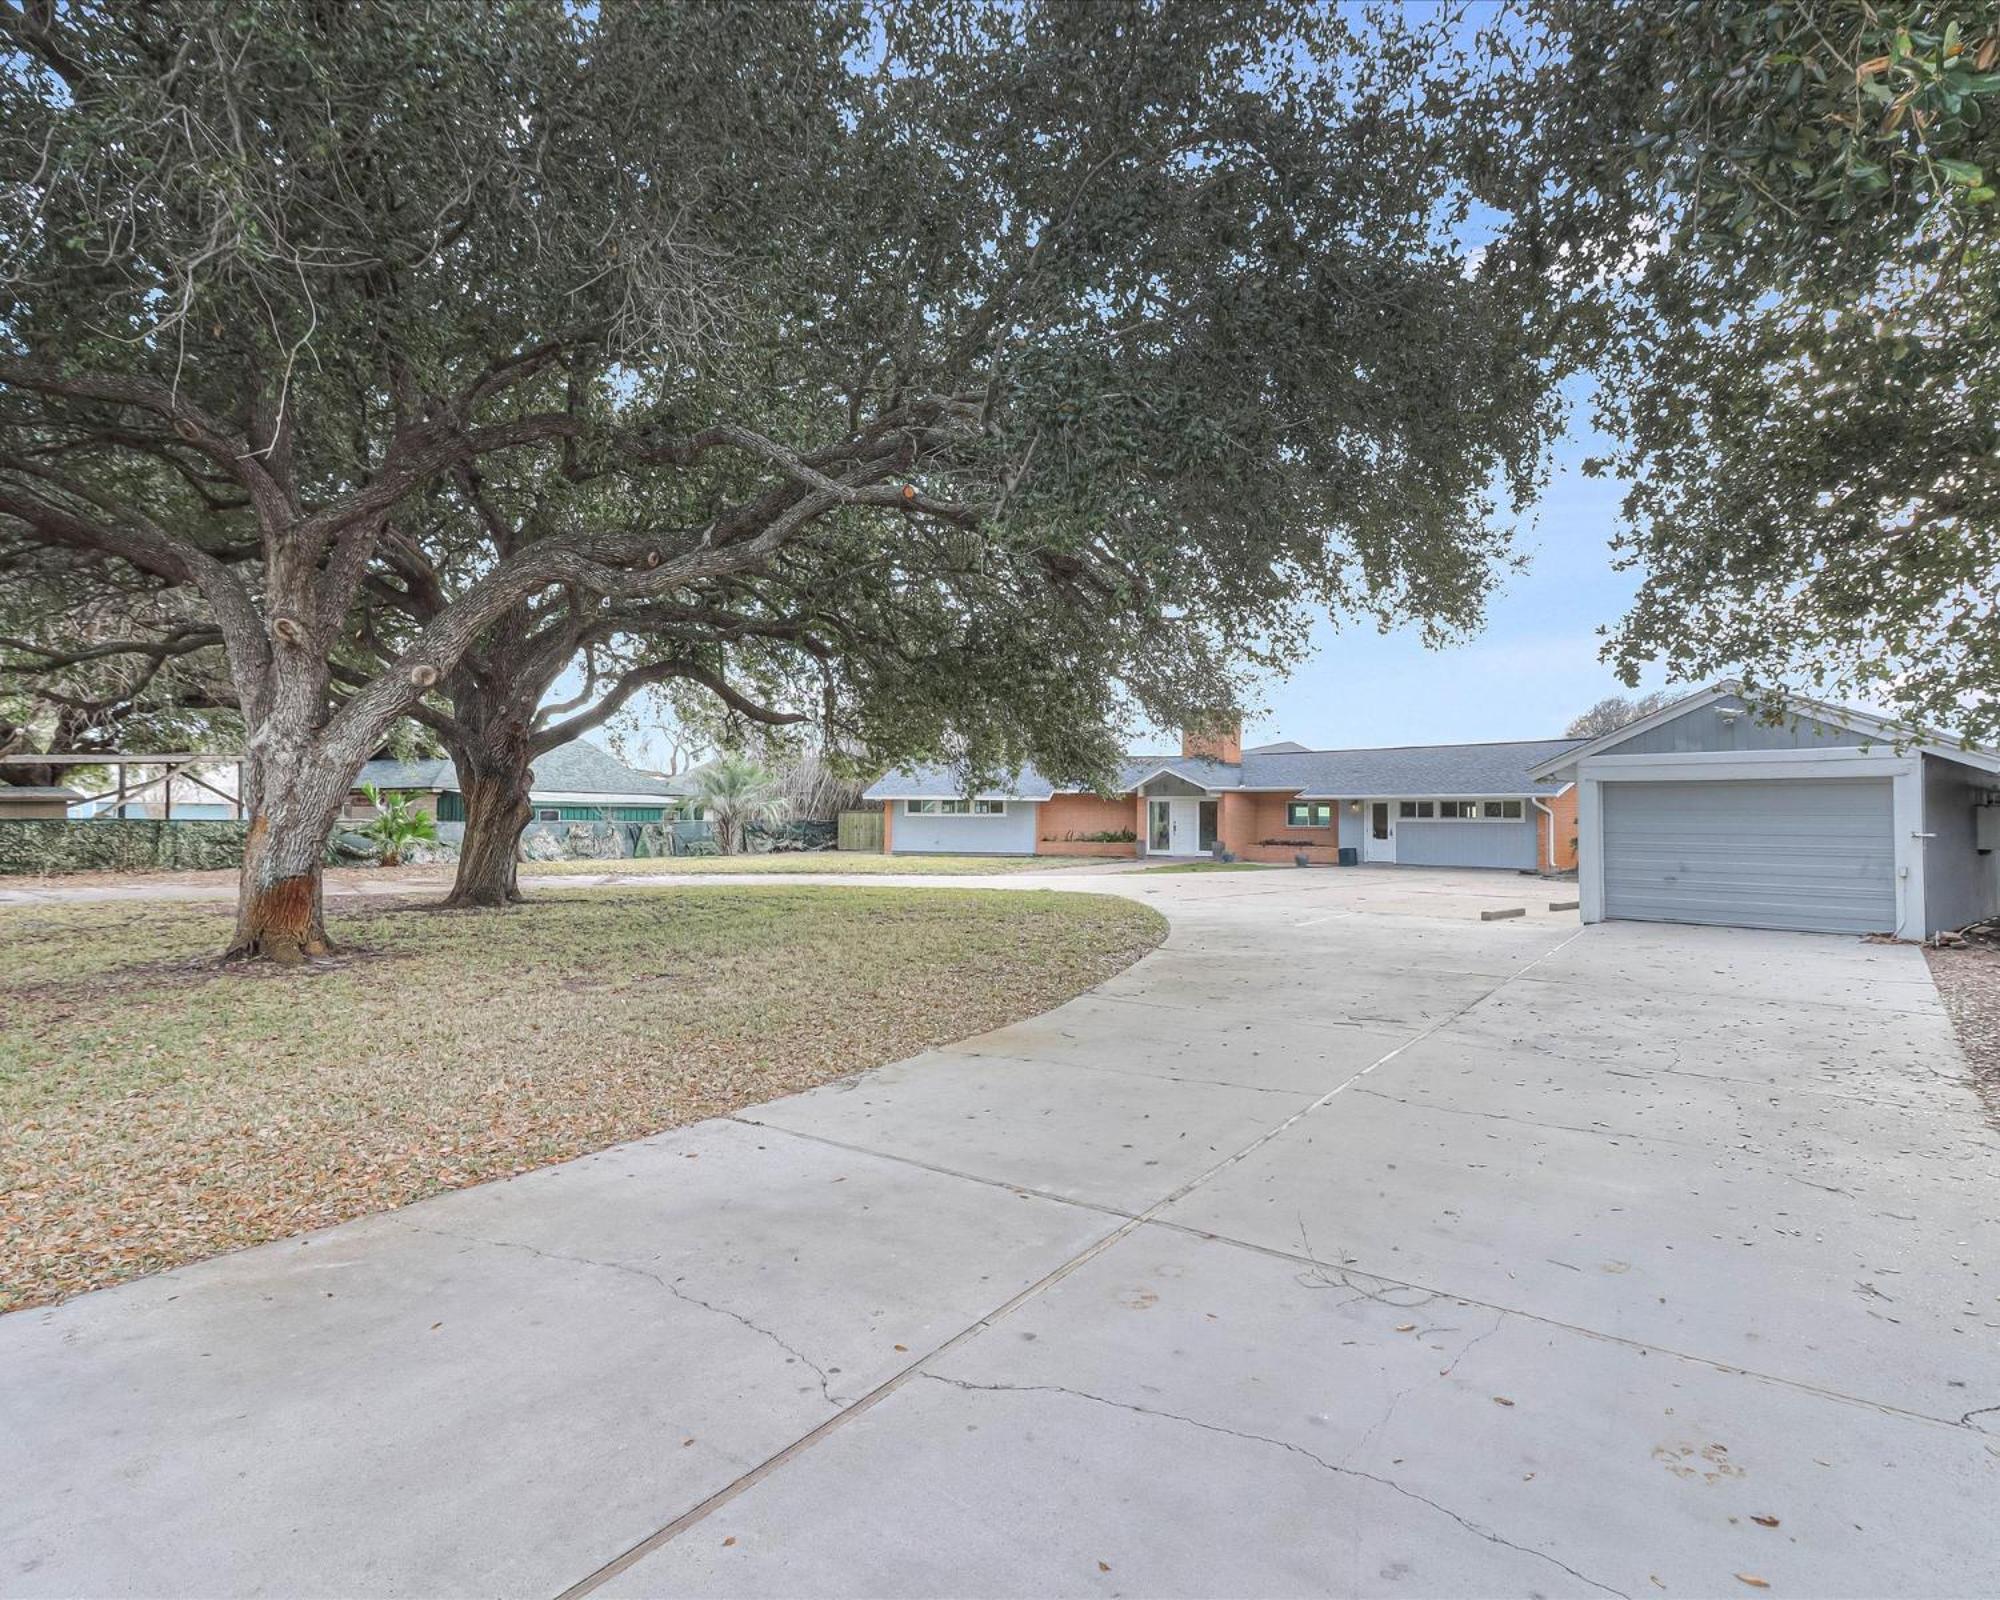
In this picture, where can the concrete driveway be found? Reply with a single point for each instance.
(1346, 1245)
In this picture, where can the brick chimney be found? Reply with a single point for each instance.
(1220, 740)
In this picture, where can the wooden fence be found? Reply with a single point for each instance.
(861, 830)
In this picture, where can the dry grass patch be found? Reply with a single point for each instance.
(836, 861)
(155, 1109)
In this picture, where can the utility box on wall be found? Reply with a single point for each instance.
(1986, 828)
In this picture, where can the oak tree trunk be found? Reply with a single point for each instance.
(280, 914)
(495, 786)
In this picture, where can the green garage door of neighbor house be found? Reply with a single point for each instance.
(1814, 855)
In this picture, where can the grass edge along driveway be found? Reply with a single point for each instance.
(827, 861)
(155, 1109)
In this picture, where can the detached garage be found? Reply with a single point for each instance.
(1817, 823)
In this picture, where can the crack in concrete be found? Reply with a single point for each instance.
(1320, 1274)
(1612, 1134)
(650, 1276)
(1474, 1528)
(1499, 1321)
(1983, 1411)
(1136, 1072)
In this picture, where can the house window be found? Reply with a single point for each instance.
(548, 814)
(1416, 808)
(1309, 814)
(956, 808)
(1509, 809)
(1460, 810)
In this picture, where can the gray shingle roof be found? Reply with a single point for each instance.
(1196, 769)
(578, 767)
(1463, 770)
(424, 774)
(947, 783)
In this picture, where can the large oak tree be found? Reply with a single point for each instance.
(1060, 354)
(1773, 231)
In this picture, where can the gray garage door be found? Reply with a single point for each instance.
(1817, 855)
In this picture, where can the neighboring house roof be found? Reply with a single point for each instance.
(1284, 747)
(24, 791)
(1449, 770)
(677, 783)
(1866, 723)
(424, 774)
(579, 769)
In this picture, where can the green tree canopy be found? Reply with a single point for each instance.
(1772, 228)
(1065, 356)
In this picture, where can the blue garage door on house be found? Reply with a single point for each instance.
(1817, 855)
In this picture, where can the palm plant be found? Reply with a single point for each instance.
(396, 825)
(737, 793)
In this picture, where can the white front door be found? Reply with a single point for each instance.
(1173, 827)
(1378, 840)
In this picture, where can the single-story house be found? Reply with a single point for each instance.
(575, 782)
(1829, 820)
(37, 802)
(1449, 805)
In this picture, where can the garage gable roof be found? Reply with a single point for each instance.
(1865, 723)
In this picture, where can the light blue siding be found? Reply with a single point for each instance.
(1010, 835)
(1439, 843)
(1960, 885)
(1707, 728)
(1815, 855)
(1352, 824)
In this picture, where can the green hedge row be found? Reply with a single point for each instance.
(37, 845)
(52, 844)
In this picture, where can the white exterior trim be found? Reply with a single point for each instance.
(1829, 761)
(1165, 771)
(577, 797)
(878, 798)
(1427, 794)
(970, 800)
(1905, 773)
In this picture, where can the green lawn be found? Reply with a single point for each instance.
(155, 1108)
(844, 861)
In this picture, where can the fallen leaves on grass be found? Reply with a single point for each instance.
(155, 1108)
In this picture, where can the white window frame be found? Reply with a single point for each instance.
(954, 808)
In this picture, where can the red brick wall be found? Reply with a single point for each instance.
(1217, 744)
(1082, 813)
(1253, 817)
(1564, 806)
